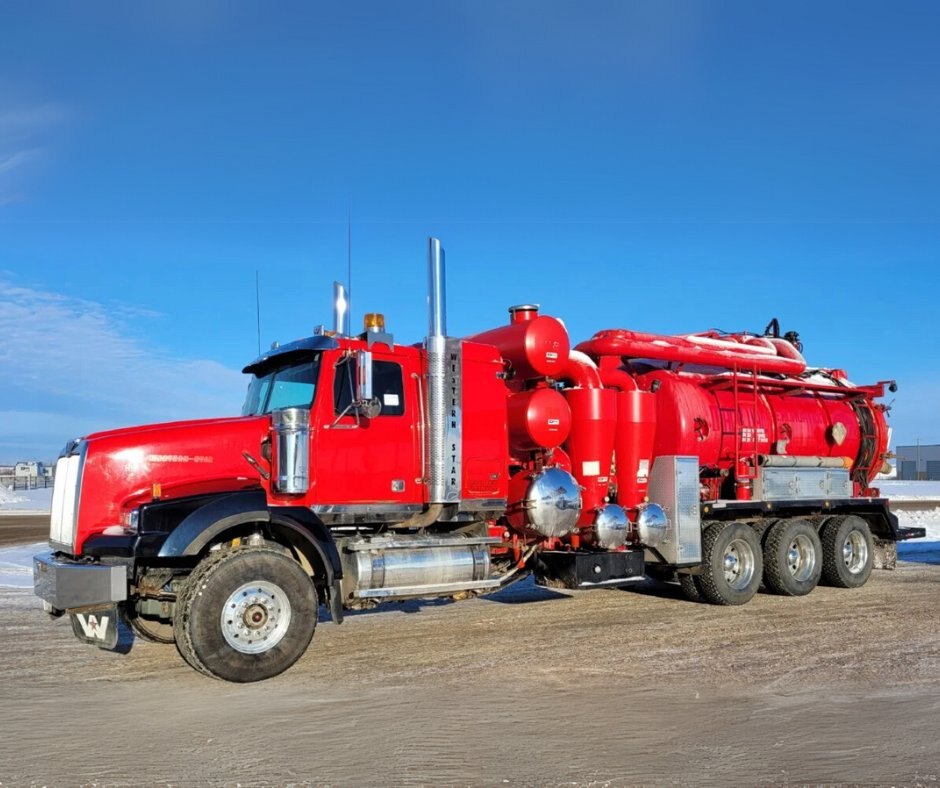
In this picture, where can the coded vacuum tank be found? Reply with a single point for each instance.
(534, 345)
(707, 416)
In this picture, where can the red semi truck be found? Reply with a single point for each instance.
(362, 470)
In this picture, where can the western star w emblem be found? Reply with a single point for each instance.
(99, 628)
(92, 627)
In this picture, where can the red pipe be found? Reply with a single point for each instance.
(614, 377)
(581, 372)
(636, 344)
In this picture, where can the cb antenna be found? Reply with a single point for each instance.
(258, 308)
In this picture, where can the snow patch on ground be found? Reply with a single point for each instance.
(7, 496)
(16, 565)
(26, 500)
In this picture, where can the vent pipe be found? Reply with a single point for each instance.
(340, 310)
(437, 394)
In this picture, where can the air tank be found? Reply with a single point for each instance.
(538, 419)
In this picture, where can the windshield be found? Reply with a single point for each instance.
(289, 386)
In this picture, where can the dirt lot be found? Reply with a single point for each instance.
(18, 528)
(526, 687)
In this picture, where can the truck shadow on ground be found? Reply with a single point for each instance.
(522, 592)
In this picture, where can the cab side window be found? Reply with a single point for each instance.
(387, 386)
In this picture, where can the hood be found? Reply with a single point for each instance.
(125, 468)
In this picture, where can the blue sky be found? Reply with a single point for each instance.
(664, 166)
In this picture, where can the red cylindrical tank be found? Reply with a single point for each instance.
(534, 345)
(708, 416)
(636, 432)
(538, 419)
(591, 444)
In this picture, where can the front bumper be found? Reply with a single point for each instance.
(66, 585)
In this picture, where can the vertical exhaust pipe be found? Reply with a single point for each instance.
(436, 349)
(340, 310)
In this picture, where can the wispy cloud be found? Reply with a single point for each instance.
(72, 365)
(24, 132)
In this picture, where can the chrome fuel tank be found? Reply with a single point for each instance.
(410, 566)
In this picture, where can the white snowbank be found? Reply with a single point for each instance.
(26, 500)
(7, 496)
(16, 565)
(908, 491)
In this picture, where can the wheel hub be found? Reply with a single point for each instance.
(801, 558)
(738, 563)
(855, 552)
(255, 617)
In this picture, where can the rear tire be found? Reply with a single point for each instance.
(732, 564)
(848, 551)
(246, 615)
(793, 561)
(690, 588)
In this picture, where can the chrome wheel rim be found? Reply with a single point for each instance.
(256, 617)
(738, 564)
(801, 558)
(855, 552)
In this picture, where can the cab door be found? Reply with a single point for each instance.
(373, 459)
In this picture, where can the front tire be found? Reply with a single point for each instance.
(732, 564)
(793, 560)
(246, 614)
(848, 551)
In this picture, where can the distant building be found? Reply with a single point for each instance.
(919, 463)
(29, 470)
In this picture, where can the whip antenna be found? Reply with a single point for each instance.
(349, 268)
(258, 309)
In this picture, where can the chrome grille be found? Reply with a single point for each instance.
(65, 494)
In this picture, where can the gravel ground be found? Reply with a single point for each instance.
(526, 687)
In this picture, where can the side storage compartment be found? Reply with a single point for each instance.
(674, 485)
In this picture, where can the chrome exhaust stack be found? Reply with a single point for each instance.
(340, 310)
(437, 363)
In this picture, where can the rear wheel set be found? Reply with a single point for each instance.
(792, 560)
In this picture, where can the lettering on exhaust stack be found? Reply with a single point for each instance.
(453, 439)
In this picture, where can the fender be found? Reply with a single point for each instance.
(220, 514)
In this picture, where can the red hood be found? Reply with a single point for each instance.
(184, 458)
(169, 425)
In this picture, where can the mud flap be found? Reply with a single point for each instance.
(98, 626)
(885, 553)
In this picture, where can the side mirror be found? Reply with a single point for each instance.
(363, 375)
(365, 403)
